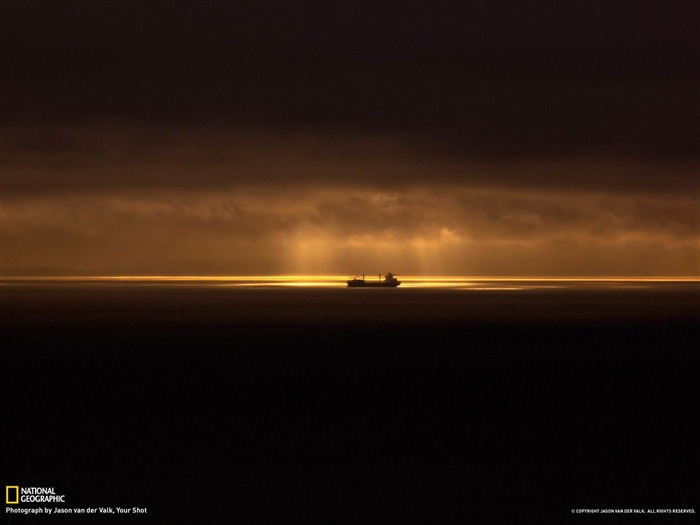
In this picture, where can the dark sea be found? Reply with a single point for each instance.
(300, 401)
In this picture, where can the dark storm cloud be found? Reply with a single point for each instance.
(103, 156)
(521, 138)
(478, 79)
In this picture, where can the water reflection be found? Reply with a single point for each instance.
(458, 283)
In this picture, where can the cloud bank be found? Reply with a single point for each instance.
(485, 138)
(451, 230)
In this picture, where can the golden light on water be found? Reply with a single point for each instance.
(467, 283)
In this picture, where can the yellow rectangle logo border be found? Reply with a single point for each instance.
(7, 494)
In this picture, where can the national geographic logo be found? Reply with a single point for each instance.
(11, 494)
(15, 495)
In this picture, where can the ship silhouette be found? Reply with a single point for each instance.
(389, 282)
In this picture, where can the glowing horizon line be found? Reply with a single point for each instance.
(341, 278)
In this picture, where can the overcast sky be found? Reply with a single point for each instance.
(467, 138)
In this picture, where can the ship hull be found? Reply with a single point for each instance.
(364, 284)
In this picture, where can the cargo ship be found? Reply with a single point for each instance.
(389, 281)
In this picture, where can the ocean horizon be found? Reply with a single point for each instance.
(298, 400)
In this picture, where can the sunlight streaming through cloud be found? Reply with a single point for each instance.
(481, 231)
